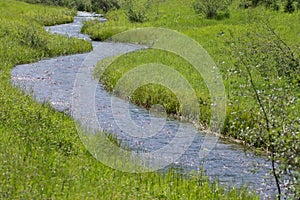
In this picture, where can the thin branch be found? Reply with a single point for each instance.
(291, 54)
(268, 129)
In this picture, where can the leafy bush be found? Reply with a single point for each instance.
(271, 4)
(245, 4)
(212, 8)
(288, 5)
(105, 5)
(137, 10)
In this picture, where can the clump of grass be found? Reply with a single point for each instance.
(152, 94)
(103, 31)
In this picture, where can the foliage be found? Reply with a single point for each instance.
(212, 8)
(105, 5)
(254, 3)
(288, 5)
(83, 5)
(275, 124)
(137, 10)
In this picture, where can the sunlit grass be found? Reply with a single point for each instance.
(41, 154)
(153, 94)
(217, 37)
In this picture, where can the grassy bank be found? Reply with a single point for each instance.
(41, 155)
(223, 39)
(257, 52)
(23, 38)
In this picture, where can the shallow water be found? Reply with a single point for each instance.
(52, 81)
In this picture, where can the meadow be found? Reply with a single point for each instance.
(256, 49)
(41, 154)
(228, 41)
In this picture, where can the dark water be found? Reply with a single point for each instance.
(53, 81)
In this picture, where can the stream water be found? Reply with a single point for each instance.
(52, 81)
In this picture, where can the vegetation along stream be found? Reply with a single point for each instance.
(52, 81)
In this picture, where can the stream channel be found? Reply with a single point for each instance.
(52, 81)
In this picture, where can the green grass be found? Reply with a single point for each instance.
(41, 154)
(42, 157)
(153, 94)
(23, 38)
(245, 40)
(208, 33)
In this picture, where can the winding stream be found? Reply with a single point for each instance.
(52, 81)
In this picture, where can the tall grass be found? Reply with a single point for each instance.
(216, 36)
(257, 52)
(154, 94)
(23, 38)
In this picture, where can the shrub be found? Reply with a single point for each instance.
(289, 6)
(137, 10)
(105, 5)
(245, 4)
(84, 5)
(269, 81)
(212, 8)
